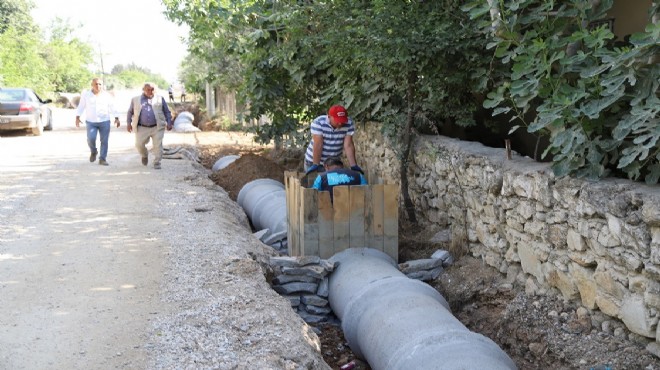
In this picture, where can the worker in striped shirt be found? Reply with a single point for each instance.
(331, 135)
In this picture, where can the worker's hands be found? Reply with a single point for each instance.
(78, 121)
(313, 168)
(357, 168)
(117, 123)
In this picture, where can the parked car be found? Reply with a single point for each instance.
(21, 109)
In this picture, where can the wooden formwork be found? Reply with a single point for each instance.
(361, 216)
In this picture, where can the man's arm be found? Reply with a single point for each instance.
(80, 108)
(112, 109)
(349, 149)
(317, 183)
(168, 114)
(129, 118)
(318, 148)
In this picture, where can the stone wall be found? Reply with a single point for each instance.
(593, 242)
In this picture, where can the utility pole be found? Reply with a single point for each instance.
(102, 69)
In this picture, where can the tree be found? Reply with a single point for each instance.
(16, 14)
(67, 58)
(21, 63)
(401, 63)
(598, 100)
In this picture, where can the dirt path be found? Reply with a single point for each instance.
(98, 271)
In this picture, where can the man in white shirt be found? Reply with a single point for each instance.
(98, 106)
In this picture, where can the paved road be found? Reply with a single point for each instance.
(79, 266)
(116, 268)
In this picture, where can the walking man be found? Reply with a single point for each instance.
(149, 115)
(98, 106)
(170, 92)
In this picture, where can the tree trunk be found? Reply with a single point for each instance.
(407, 145)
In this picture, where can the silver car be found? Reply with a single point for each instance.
(22, 109)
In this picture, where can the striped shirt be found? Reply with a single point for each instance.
(333, 139)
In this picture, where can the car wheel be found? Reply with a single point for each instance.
(37, 131)
(49, 126)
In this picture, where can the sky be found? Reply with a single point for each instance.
(122, 31)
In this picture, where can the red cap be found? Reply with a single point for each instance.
(339, 114)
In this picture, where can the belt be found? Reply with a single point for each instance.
(139, 124)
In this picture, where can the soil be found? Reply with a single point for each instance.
(536, 331)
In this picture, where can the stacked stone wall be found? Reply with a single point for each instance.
(597, 243)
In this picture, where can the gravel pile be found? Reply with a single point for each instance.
(219, 311)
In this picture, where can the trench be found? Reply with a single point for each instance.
(388, 319)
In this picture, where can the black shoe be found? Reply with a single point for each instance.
(92, 157)
(145, 161)
(102, 162)
(156, 166)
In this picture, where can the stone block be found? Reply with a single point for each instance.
(284, 279)
(575, 241)
(563, 282)
(314, 300)
(585, 284)
(291, 288)
(557, 235)
(526, 210)
(636, 316)
(419, 265)
(324, 288)
(608, 285)
(314, 271)
(583, 259)
(655, 245)
(608, 305)
(607, 239)
(530, 262)
(651, 211)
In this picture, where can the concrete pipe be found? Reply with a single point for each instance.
(394, 322)
(264, 202)
(223, 162)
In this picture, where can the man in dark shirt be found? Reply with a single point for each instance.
(149, 115)
(335, 175)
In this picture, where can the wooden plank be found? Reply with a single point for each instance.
(309, 218)
(289, 219)
(356, 217)
(391, 221)
(368, 217)
(342, 208)
(326, 225)
(374, 217)
(295, 213)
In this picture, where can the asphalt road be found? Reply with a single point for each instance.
(79, 267)
(117, 268)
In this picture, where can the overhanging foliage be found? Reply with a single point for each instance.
(598, 100)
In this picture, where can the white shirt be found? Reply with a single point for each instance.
(97, 108)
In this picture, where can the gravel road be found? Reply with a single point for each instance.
(127, 267)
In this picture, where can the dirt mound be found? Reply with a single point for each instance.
(248, 167)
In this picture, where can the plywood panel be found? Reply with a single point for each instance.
(326, 225)
(309, 218)
(341, 218)
(374, 216)
(391, 221)
(356, 217)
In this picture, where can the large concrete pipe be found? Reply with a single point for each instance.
(225, 161)
(397, 323)
(264, 202)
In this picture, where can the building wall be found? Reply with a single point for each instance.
(596, 243)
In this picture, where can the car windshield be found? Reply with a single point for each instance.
(12, 95)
